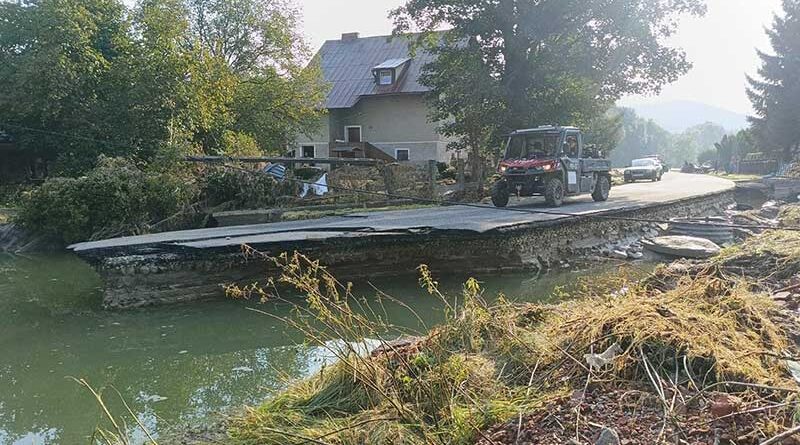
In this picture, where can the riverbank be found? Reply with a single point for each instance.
(699, 352)
(181, 364)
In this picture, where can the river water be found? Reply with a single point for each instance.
(174, 365)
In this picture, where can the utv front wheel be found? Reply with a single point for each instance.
(554, 192)
(500, 194)
(601, 189)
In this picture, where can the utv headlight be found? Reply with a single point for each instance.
(503, 169)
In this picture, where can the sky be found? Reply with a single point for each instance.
(722, 45)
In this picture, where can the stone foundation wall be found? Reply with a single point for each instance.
(143, 280)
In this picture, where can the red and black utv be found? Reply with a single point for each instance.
(551, 161)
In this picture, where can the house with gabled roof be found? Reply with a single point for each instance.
(376, 105)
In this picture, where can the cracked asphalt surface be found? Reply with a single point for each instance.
(674, 187)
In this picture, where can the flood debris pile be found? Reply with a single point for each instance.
(698, 353)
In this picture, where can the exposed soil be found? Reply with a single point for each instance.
(635, 417)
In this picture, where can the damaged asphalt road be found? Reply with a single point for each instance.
(674, 187)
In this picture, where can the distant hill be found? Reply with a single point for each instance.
(677, 116)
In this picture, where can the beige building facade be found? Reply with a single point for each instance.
(374, 98)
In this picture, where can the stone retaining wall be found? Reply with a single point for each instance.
(143, 280)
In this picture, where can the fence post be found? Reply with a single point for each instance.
(389, 180)
(460, 177)
(432, 174)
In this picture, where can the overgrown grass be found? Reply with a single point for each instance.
(490, 363)
(736, 177)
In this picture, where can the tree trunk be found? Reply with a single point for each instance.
(476, 161)
(514, 76)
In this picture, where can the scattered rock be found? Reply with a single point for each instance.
(741, 233)
(724, 405)
(608, 437)
(635, 248)
(782, 296)
(794, 369)
(770, 210)
(635, 255)
(683, 246)
(619, 254)
(787, 300)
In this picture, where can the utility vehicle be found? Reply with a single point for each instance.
(551, 161)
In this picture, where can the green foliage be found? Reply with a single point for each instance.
(775, 92)
(54, 57)
(11, 195)
(732, 147)
(506, 64)
(605, 131)
(91, 77)
(241, 189)
(642, 137)
(115, 198)
(708, 156)
(446, 171)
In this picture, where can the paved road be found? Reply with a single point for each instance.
(674, 187)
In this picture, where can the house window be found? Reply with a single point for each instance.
(385, 77)
(308, 151)
(402, 154)
(353, 134)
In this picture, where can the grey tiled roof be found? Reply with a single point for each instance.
(347, 66)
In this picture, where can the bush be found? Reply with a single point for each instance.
(241, 189)
(115, 198)
(446, 171)
(11, 194)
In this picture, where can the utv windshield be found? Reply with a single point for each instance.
(532, 146)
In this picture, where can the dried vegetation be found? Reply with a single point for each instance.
(696, 353)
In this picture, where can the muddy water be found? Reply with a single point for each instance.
(175, 365)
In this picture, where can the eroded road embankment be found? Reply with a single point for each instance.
(675, 187)
(195, 264)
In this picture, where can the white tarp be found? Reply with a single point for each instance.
(319, 188)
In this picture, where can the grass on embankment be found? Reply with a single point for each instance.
(736, 177)
(687, 333)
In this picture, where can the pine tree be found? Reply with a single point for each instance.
(775, 93)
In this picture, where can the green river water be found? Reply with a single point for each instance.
(174, 365)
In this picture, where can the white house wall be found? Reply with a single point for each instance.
(387, 122)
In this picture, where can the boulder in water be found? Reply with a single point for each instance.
(683, 246)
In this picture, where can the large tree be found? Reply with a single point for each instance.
(544, 61)
(775, 92)
(88, 77)
(734, 146)
(55, 57)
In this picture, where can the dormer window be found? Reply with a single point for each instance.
(385, 77)
(390, 71)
